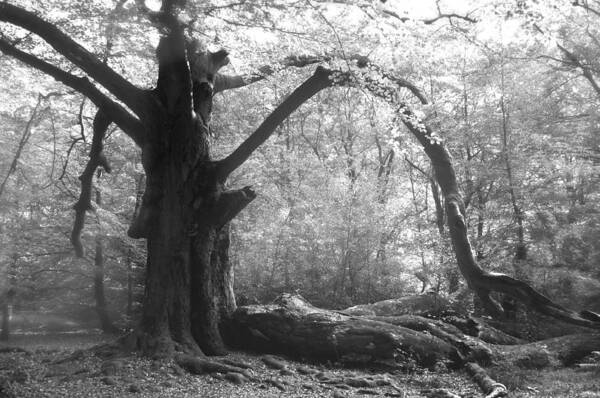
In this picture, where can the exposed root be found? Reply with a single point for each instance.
(200, 366)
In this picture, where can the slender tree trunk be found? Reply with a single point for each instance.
(105, 323)
(4, 335)
(521, 247)
(129, 310)
(424, 275)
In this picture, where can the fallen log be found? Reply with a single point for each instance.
(418, 304)
(432, 305)
(554, 352)
(293, 326)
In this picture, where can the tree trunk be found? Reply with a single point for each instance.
(179, 249)
(5, 334)
(185, 209)
(105, 323)
(521, 247)
(6, 301)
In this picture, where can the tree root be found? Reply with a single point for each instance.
(200, 366)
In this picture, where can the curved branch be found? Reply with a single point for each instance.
(227, 82)
(317, 82)
(127, 122)
(74, 52)
(97, 158)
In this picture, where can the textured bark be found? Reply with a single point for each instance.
(292, 325)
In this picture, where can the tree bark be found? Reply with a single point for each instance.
(292, 325)
(185, 211)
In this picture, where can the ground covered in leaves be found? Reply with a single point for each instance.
(57, 365)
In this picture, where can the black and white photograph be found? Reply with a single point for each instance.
(300, 198)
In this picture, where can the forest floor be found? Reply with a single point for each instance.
(35, 366)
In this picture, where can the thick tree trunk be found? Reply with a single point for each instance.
(177, 294)
(185, 209)
(223, 275)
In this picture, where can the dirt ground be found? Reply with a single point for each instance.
(35, 366)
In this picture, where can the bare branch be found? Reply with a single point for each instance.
(115, 83)
(128, 123)
(430, 21)
(367, 6)
(317, 82)
(226, 82)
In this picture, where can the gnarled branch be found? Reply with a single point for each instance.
(97, 158)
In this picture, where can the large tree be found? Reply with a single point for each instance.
(186, 208)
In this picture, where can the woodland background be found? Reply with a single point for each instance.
(346, 210)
